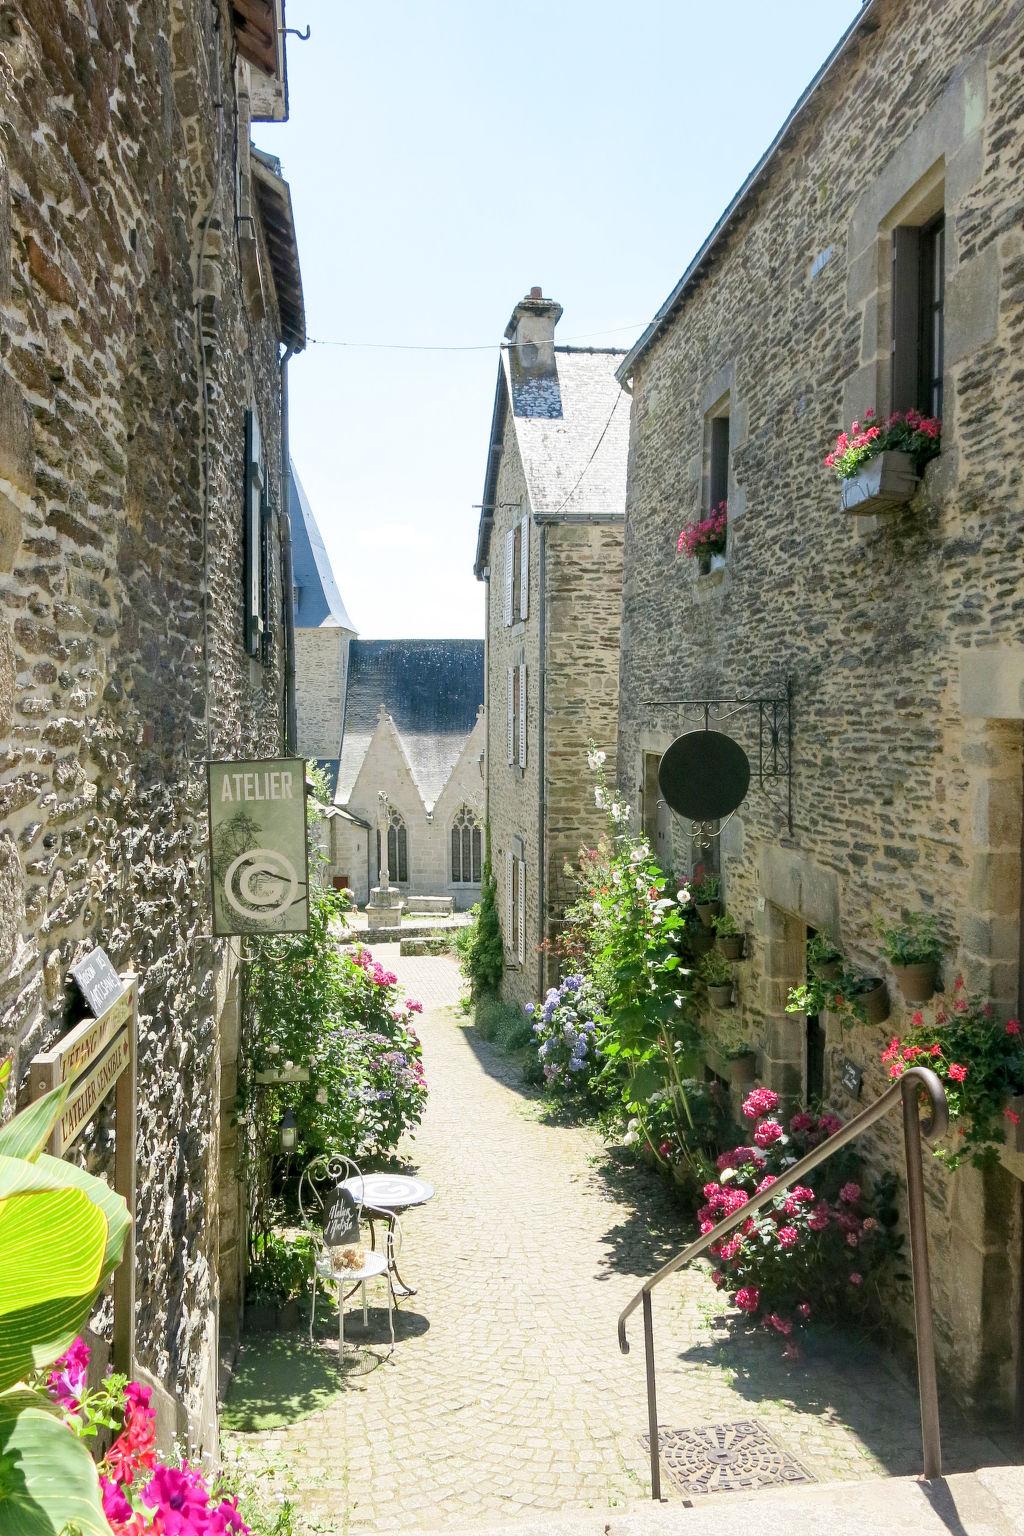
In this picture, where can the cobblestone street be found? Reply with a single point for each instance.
(506, 1391)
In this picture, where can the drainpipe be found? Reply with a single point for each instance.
(542, 809)
(291, 731)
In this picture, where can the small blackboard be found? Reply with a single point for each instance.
(97, 981)
(341, 1220)
(851, 1076)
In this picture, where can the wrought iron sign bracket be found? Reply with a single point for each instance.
(774, 736)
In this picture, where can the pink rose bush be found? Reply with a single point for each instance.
(902, 432)
(142, 1496)
(809, 1253)
(980, 1063)
(707, 535)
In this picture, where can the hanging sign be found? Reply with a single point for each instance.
(258, 855)
(96, 979)
(851, 1076)
(704, 775)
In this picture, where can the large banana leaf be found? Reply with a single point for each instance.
(48, 1482)
(27, 1134)
(100, 1193)
(52, 1247)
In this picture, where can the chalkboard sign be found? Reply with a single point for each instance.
(341, 1220)
(97, 981)
(851, 1077)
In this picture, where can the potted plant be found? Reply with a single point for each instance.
(823, 958)
(914, 950)
(879, 463)
(981, 1065)
(706, 895)
(735, 1066)
(867, 996)
(728, 936)
(279, 1274)
(716, 974)
(704, 539)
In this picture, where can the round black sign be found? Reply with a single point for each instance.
(704, 775)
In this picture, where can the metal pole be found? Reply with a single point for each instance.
(927, 1384)
(652, 1400)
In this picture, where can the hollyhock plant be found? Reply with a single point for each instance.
(980, 1062)
(707, 536)
(903, 432)
(794, 1259)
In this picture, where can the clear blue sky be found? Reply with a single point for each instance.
(445, 155)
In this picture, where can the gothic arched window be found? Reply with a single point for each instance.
(398, 846)
(467, 849)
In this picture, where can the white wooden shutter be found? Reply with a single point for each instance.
(522, 714)
(521, 932)
(510, 906)
(511, 713)
(524, 568)
(509, 572)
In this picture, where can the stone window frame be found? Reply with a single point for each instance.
(719, 397)
(398, 846)
(466, 820)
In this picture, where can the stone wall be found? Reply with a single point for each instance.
(128, 360)
(321, 666)
(901, 634)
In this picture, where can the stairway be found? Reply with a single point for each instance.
(989, 1502)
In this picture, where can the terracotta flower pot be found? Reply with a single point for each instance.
(916, 982)
(875, 1002)
(707, 911)
(701, 940)
(828, 970)
(730, 945)
(720, 997)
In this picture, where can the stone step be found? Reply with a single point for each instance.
(989, 1502)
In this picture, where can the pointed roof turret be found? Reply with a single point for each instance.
(318, 603)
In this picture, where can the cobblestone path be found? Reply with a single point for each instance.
(506, 1391)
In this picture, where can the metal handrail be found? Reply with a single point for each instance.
(936, 1124)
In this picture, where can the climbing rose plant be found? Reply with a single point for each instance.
(707, 535)
(981, 1064)
(902, 432)
(819, 1249)
(142, 1496)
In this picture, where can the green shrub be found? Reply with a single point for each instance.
(504, 1025)
(479, 943)
(280, 1270)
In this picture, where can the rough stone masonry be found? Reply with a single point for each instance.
(133, 342)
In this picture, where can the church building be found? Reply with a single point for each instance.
(403, 716)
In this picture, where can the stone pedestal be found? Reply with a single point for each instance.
(384, 908)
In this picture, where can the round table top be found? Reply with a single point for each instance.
(389, 1191)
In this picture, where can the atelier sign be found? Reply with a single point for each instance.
(91, 1091)
(96, 979)
(258, 857)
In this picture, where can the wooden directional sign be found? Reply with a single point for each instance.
(98, 1055)
(97, 980)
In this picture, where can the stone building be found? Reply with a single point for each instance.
(323, 633)
(549, 549)
(148, 281)
(899, 634)
(413, 726)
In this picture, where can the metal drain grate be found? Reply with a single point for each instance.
(724, 1458)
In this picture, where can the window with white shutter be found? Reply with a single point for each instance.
(522, 715)
(511, 713)
(521, 914)
(254, 535)
(509, 572)
(511, 909)
(524, 568)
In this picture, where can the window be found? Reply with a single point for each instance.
(718, 458)
(255, 537)
(517, 571)
(515, 906)
(467, 849)
(515, 721)
(398, 847)
(918, 294)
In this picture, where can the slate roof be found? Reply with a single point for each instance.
(432, 689)
(319, 602)
(563, 471)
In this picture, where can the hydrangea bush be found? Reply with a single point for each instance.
(822, 1249)
(142, 1495)
(565, 1034)
(981, 1064)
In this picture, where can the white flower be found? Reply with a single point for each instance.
(683, 896)
(619, 813)
(321, 1095)
(600, 798)
(629, 1138)
(595, 759)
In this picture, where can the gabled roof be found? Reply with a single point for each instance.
(432, 690)
(318, 602)
(574, 459)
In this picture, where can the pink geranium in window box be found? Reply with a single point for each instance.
(705, 537)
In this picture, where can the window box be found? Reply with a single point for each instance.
(886, 482)
(737, 1070)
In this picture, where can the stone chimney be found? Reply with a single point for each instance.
(534, 370)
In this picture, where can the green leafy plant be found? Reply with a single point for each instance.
(903, 432)
(981, 1065)
(714, 970)
(915, 941)
(281, 1269)
(821, 949)
(707, 890)
(479, 944)
(725, 924)
(62, 1234)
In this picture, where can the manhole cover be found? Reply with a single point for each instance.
(723, 1458)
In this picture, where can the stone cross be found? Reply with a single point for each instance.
(383, 808)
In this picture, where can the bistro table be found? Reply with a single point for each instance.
(387, 1194)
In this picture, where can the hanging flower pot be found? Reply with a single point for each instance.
(871, 996)
(917, 982)
(720, 997)
(886, 482)
(730, 945)
(701, 939)
(828, 970)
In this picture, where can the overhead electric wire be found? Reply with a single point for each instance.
(490, 346)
